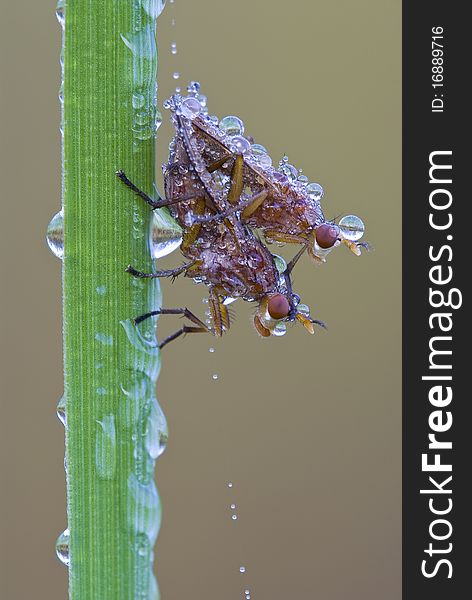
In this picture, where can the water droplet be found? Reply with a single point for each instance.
(230, 485)
(156, 431)
(165, 234)
(144, 508)
(352, 228)
(142, 43)
(176, 75)
(153, 7)
(138, 100)
(105, 447)
(104, 339)
(242, 569)
(62, 547)
(55, 234)
(280, 263)
(101, 290)
(289, 170)
(261, 155)
(233, 506)
(173, 48)
(214, 376)
(60, 14)
(240, 144)
(211, 350)
(190, 108)
(280, 329)
(234, 517)
(315, 191)
(231, 125)
(61, 410)
(304, 310)
(101, 391)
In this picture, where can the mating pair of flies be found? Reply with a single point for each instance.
(222, 190)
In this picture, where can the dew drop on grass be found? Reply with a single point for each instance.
(62, 547)
(231, 125)
(55, 234)
(61, 410)
(105, 447)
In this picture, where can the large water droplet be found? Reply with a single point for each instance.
(55, 234)
(315, 191)
(232, 125)
(352, 227)
(261, 155)
(165, 234)
(61, 410)
(62, 547)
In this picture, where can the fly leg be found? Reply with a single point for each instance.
(185, 312)
(154, 204)
(167, 273)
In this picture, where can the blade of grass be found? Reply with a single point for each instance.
(114, 426)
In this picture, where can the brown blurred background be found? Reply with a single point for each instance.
(307, 428)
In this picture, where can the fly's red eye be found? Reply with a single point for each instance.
(278, 306)
(326, 235)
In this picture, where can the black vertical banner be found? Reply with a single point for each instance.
(437, 435)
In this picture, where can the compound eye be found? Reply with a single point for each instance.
(326, 235)
(278, 306)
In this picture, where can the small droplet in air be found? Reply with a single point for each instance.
(214, 376)
(234, 517)
(176, 75)
(55, 234)
(61, 410)
(242, 569)
(233, 506)
(62, 547)
(173, 48)
(230, 485)
(211, 350)
(231, 125)
(352, 228)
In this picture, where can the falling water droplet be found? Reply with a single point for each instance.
(230, 485)
(62, 547)
(234, 517)
(214, 376)
(173, 48)
(176, 75)
(233, 506)
(61, 410)
(231, 125)
(55, 234)
(165, 234)
(211, 350)
(352, 227)
(242, 569)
